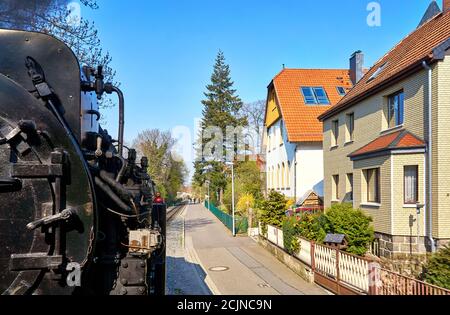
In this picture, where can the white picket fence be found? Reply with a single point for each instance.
(352, 270)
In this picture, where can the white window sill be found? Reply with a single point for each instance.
(371, 204)
(335, 200)
(334, 147)
(392, 129)
(413, 206)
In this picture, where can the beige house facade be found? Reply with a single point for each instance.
(384, 154)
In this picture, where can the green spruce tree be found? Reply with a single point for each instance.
(221, 109)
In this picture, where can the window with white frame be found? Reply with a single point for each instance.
(411, 184)
(396, 109)
(315, 95)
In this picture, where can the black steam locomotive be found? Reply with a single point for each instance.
(76, 216)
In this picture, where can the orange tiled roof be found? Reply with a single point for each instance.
(301, 119)
(405, 56)
(397, 140)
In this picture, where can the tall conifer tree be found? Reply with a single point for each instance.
(221, 109)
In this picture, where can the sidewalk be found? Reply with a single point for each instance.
(236, 266)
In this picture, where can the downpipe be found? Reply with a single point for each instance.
(429, 208)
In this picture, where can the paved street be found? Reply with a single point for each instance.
(203, 258)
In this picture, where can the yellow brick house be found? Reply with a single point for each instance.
(383, 153)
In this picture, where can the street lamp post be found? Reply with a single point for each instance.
(232, 195)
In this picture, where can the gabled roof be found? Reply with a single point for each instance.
(426, 43)
(301, 119)
(393, 141)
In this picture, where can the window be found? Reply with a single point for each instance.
(321, 96)
(278, 177)
(349, 187)
(335, 132)
(308, 95)
(372, 177)
(283, 175)
(315, 95)
(377, 72)
(288, 175)
(350, 126)
(341, 90)
(395, 109)
(336, 187)
(281, 134)
(272, 175)
(411, 184)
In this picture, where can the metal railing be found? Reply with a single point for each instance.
(241, 224)
(392, 283)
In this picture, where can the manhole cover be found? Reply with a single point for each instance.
(219, 268)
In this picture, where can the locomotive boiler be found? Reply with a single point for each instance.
(77, 214)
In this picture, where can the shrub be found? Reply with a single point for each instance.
(437, 269)
(245, 202)
(343, 219)
(273, 209)
(290, 235)
(313, 226)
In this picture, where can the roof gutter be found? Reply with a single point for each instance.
(429, 203)
(438, 53)
(375, 89)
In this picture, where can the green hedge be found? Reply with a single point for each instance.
(339, 219)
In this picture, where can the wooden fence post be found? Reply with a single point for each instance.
(337, 272)
(313, 261)
(373, 278)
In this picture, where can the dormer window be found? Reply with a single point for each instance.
(315, 95)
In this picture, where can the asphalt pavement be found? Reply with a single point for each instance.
(204, 258)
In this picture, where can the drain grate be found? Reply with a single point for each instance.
(219, 268)
(263, 285)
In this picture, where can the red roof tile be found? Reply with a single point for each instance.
(397, 140)
(301, 119)
(409, 53)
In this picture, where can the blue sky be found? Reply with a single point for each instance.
(164, 50)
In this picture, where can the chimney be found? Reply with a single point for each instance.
(356, 66)
(445, 5)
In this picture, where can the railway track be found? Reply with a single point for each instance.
(174, 211)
